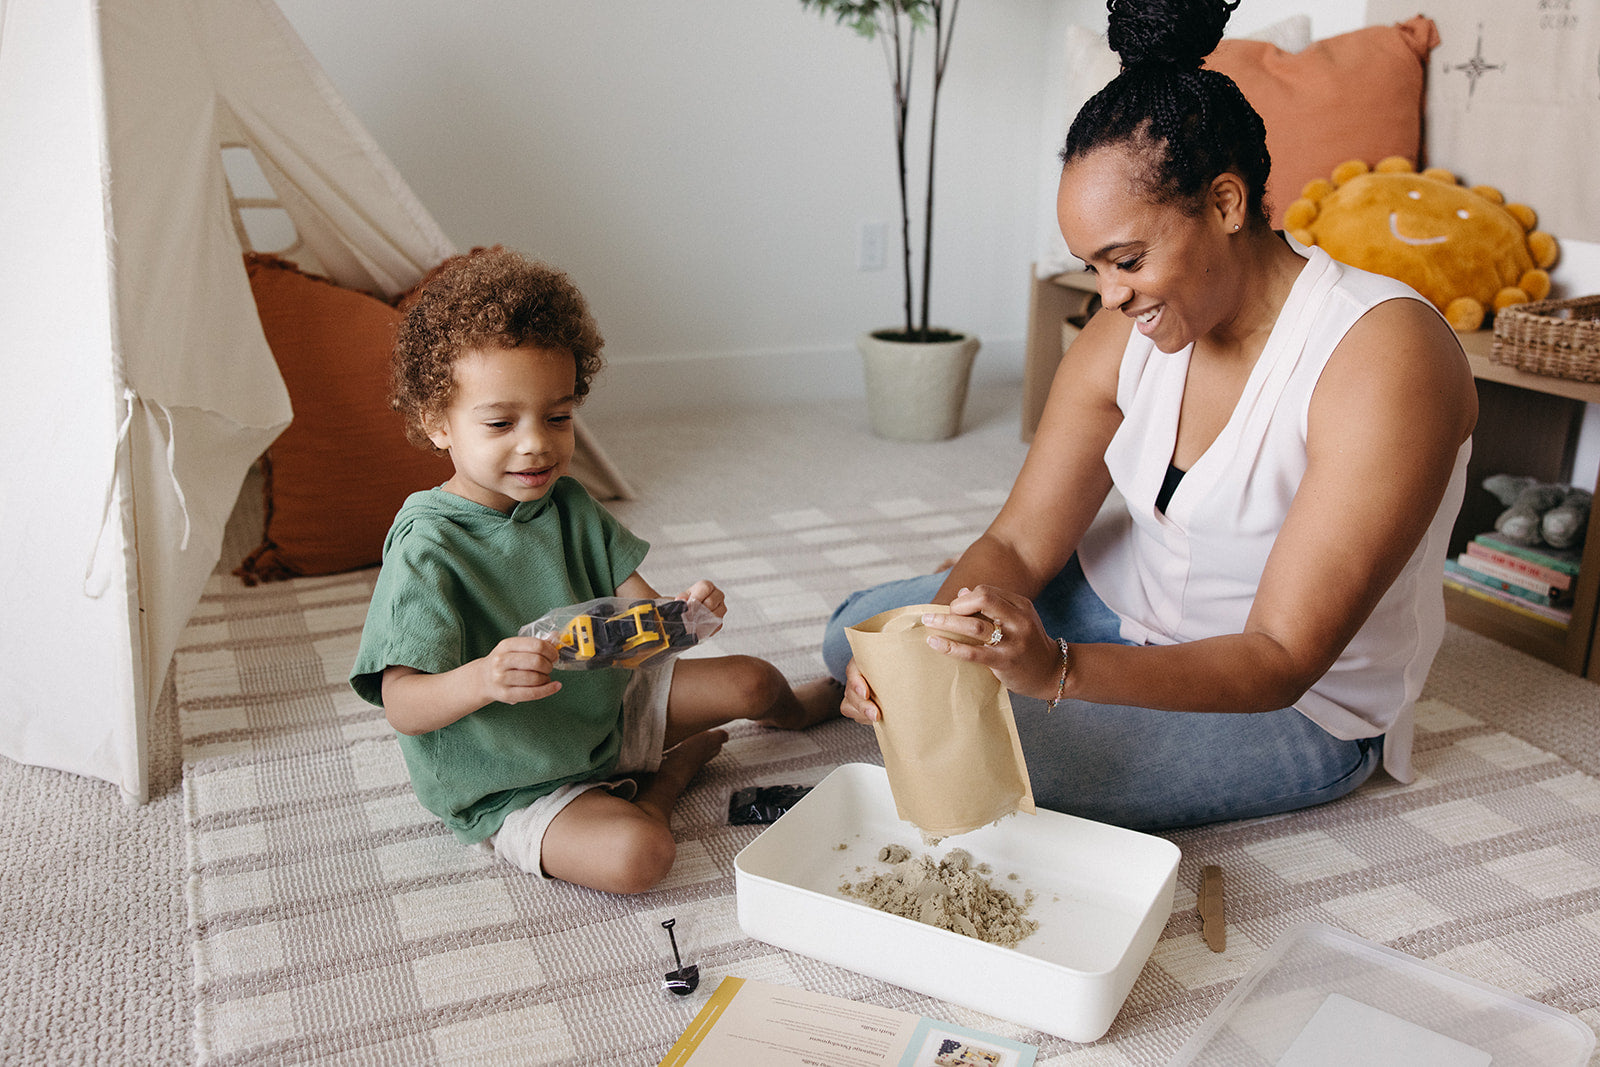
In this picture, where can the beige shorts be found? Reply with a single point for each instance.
(520, 838)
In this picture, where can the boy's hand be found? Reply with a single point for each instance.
(518, 669)
(704, 592)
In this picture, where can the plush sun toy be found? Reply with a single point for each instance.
(1464, 248)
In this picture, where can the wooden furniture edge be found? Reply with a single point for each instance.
(1578, 649)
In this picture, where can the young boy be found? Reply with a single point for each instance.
(492, 358)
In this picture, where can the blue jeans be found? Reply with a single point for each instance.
(1138, 767)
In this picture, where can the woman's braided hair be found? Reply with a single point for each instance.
(1188, 123)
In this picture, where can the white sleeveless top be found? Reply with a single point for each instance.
(1193, 571)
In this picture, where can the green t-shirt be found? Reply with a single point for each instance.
(458, 578)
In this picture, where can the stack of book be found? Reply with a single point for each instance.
(1535, 581)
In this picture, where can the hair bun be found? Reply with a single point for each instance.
(1174, 33)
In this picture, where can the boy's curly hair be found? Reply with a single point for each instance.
(487, 298)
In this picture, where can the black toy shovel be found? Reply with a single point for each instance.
(684, 980)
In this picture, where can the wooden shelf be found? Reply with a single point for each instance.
(1527, 424)
(1478, 346)
(1545, 640)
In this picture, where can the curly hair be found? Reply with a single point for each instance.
(1189, 124)
(487, 298)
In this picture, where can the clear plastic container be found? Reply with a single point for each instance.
(1322, 997)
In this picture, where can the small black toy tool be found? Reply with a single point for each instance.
(684, 980)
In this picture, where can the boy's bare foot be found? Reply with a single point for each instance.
(684, 760)
(679, 765)
(814, 702)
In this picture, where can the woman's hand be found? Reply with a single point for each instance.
(857, 703)
(1024, 658)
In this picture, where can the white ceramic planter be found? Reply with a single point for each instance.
(916, 392)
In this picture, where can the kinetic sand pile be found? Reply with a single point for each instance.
(951, 894)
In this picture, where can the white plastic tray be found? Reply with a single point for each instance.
(1101, 897)
(1320, 995)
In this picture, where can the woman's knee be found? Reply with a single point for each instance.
(865, 603)
(1147, 770)
(835, 648)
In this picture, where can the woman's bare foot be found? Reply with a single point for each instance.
(812, 703)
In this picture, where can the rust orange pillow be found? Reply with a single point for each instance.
(338, 474)
(1354, 96)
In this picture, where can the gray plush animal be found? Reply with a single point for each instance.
(1540, 513)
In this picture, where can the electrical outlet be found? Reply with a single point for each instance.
(872, 252)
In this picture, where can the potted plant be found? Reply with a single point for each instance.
(916, 374)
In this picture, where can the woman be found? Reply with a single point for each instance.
(1290, 438)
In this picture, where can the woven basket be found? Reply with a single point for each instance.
(1558, 338)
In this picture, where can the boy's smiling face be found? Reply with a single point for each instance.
(509, 428)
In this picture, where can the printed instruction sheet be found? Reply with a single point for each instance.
(747, 1022)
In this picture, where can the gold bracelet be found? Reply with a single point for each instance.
(1066, 666)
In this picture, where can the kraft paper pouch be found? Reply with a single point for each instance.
(946, 731)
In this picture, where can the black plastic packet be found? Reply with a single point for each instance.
(763, 804)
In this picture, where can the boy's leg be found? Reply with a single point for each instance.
(606, 842)
(712, 692)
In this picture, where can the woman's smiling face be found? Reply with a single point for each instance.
(1152, 260)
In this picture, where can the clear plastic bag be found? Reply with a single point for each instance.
(613, 631)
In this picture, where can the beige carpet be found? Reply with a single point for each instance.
(331, 914)
(291, 903)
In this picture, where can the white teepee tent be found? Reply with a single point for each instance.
(142, 387)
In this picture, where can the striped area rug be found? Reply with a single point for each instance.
(333, 921)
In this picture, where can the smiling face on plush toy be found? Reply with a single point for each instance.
(1462, 248)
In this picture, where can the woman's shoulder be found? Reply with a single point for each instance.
(1365, 287)
(1103, 341)
(1378, 320)
(1400, 332)
(1401, 354)
(1093, 364)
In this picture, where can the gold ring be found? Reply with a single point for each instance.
(997, 635)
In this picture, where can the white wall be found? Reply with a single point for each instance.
(703, 169)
